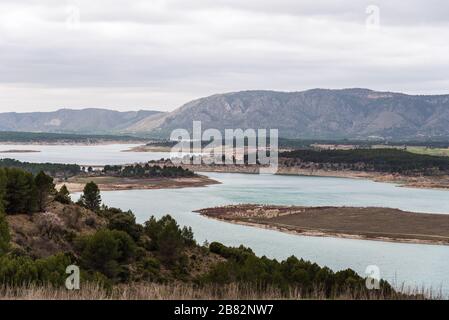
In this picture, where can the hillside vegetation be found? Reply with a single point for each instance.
(113, 250)
(53, 169)
(147, 171)
(380, 160)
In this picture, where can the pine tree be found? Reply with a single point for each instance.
(3, 181)
(91, 198)
(45, 187)
(63, 195)
(4, 230)
(4, 233)
(21, 192)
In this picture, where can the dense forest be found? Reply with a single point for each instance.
(382, 160)
(53, 169)
(158, 251)
(22, 192)
(307, 143)
(147, 171)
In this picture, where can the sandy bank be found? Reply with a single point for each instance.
(108, 183)
(425, 182)
(371, 223)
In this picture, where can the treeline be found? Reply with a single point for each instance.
(307, 143)
(243, 266)
(33, 137)
(22, 192)
(382, 160)
(147, 171)
(53, 169)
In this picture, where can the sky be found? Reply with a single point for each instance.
(160, 54)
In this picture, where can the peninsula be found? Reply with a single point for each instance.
(370, 223)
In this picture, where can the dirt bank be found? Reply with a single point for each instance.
(109, 183)
(426, 182)
(373, 223)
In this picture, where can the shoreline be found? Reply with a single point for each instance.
(233, 214)
(19, 151)
(418, 182)
(144, 148)
(108, 183)
(317, 233)
(70, 143)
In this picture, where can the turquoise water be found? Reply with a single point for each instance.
(412, 264)
(80, 154)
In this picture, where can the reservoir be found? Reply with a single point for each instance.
(412, 265)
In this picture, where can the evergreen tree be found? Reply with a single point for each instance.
(21, 192)
(106, 251)
(4, 230)
(3, 181)
(63, 195)
(4, 234)
(91, 198)
(45, 187)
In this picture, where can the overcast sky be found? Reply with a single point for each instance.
(159, 54)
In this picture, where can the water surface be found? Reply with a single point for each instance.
(412, 264)
(81, 154)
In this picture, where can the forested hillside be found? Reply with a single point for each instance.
(111, 248)
(381, 160)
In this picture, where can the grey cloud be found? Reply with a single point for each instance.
(165, 52)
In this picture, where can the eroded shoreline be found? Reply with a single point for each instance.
(367, 223)
(420, 182)
(109, 183)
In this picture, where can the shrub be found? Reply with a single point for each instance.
(50, 225)
(22, 270)
(4, 234)
(45, 187)
(63, 195)
(90, 221)
(20, 194)
(106, 251)
(243, 266)
(123, 221)
(168, 238)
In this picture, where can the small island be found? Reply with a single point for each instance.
(137, 176)
(114, 183)
(18, 151)
(371, 223)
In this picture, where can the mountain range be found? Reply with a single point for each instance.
(316, 113)
(73, 121)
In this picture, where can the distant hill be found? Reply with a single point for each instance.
(317, 113)
(314, 114)
(73, 121)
